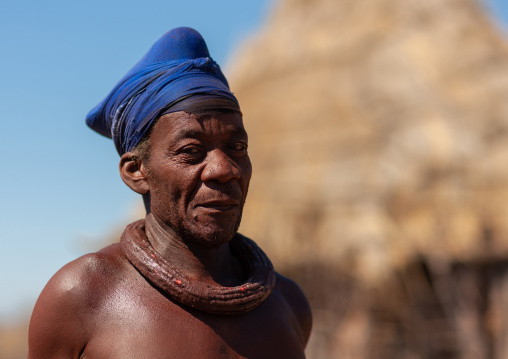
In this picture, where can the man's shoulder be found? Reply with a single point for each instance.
(91, 271)
(298, 303)
(65, 309)
(82, 282)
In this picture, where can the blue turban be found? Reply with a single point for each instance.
(176, 74)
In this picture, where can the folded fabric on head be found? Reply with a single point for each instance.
(176, 74)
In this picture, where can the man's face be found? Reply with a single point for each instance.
(199, 173)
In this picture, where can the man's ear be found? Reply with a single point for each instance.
(134, 173)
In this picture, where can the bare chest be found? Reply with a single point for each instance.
(145, 324)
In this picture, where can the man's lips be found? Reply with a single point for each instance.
(220, 205)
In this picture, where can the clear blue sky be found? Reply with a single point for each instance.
(60, 185)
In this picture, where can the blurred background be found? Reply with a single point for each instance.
(378, 134)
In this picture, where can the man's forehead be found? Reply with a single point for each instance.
(186, 125)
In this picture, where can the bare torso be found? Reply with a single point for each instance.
(99, 306)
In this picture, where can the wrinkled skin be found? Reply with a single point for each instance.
(99, 306)
(199, 176)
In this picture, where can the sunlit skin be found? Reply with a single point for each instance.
(199, 175)
(99, 306)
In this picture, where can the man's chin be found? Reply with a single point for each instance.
(211, 236)
(202, 229)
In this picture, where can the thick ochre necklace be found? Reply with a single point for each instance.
(208, 298)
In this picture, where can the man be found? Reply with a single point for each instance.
(182, 283)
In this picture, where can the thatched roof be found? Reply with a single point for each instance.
(378, 132)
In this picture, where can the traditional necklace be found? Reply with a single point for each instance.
(208, 298)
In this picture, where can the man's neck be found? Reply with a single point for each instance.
(209, 265)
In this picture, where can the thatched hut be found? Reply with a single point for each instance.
(379, 140)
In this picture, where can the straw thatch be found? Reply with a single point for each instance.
(378, 133)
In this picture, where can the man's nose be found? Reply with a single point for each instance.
(220, 167)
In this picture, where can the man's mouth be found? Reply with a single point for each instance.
(220, 205)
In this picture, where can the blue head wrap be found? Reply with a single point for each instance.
(177, 72)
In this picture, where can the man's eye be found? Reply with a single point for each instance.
(240, 148)
(191, 150)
